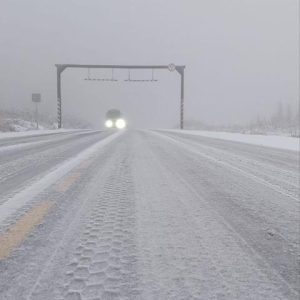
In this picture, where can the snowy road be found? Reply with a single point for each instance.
(24, 160)
(150, 215)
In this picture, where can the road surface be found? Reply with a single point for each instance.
(147, 215)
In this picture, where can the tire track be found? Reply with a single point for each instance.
(268, 222)
(284, 182)
(29, 169)
(186, 250)
(102, 263)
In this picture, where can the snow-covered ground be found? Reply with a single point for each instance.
(276, 141)
(33, 132)
(25, 126)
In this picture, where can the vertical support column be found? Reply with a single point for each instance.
(182, 100)
(180, 70)
(37, 115)
(59, 117)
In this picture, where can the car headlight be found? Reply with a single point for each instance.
(120, 123)
(108, 123)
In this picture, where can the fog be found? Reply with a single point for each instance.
(241, 57)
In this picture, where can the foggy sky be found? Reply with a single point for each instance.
(241, 57)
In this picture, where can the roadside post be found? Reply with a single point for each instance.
(36, 98)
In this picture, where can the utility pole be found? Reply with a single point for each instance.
(37, 116)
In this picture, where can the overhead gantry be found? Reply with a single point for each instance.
(171, 67)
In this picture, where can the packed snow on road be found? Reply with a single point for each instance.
(145, 214)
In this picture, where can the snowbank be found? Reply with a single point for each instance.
(282, 142)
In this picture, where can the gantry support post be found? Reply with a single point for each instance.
(60, 69)
(180, 70)
(58, 99)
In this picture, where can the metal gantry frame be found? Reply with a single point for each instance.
(61, 67)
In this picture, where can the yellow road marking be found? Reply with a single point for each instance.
(85, 164)
(65, 185)
(13, 236)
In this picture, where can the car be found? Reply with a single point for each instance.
(114, 119)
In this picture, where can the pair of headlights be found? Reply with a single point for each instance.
(120, 123)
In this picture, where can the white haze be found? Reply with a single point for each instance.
(241, 57)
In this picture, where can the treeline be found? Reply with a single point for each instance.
(283, 121)
(283, 117)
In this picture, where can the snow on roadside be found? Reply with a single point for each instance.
(25, 196)
(282, 142)
(21, 128)
(33, 132)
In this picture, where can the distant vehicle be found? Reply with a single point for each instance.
(114, 119)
